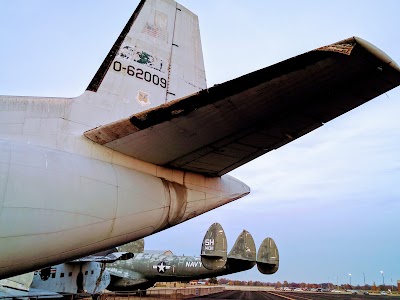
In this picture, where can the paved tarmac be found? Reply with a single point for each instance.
(273, 295)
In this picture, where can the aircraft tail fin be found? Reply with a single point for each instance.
(133, 247)
(214, 248)
(156, 58)
(268, 257)
(244, 248)
(242, 256)
(20, 282)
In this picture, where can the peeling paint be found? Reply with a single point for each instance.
(343, 47)
(157, 28)
(143, 98)
(102, 71)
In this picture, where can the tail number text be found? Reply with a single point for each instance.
(209, 244)
(140, 74)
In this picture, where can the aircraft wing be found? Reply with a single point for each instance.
(9, 293)
(19, 287)
(109, 258)
(221, 128)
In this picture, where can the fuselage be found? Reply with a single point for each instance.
(63, 196)
(72, 278)
(131, 273)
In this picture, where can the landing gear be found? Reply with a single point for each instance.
(141, 293)
(96, 296)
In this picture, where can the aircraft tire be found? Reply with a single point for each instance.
(96, 297)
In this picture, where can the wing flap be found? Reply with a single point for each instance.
(219, 129)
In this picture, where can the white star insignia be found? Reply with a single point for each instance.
(161, 267)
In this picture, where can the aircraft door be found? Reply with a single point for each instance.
(79, 280)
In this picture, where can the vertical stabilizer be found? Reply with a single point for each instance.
(133, 247)
(156, 58)
(244, 248)
(268, 257)
(214, 248)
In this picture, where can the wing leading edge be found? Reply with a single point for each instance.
(219, 129)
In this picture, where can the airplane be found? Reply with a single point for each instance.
(145, 269)
(148, 146)
(84, 276)
(130, 268)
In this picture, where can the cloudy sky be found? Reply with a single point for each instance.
(331, 200)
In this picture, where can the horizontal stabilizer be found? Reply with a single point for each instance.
(21, 282)
(9, 293)
(268, 257)
(110, 258)
(244, 248)
(214, 248)
(219, 129)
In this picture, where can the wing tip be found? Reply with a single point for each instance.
(378, 53)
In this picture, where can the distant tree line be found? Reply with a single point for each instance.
(301, 285)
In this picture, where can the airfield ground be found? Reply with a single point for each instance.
(245, 293)
(272, 295)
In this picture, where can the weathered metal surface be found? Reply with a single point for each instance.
(244, 247)
(63, 196)
(101, 72)
(113, 132)
(186, 72)
(85, 275)
(214, 248)
(268, 257)
(88, 277)
(145, 67)
(129, 204)
(20, 282)
(144, 269)
(249, 116)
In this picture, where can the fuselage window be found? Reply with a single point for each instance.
(86, 272)
(61, 274)
(92, 272)
(53, 275)
(69, 274)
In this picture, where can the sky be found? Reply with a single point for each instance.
(330, 200)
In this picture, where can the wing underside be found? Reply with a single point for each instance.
(219, 129)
